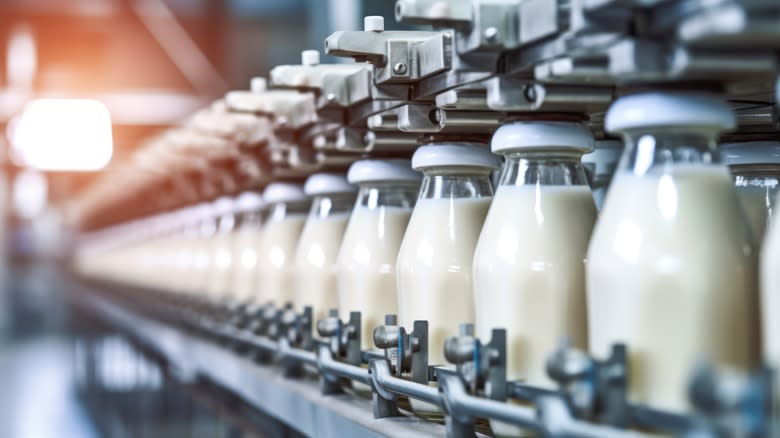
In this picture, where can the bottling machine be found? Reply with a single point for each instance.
(479, 65)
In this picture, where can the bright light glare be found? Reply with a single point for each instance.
(63, 135)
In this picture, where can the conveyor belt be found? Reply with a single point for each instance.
(296, 402)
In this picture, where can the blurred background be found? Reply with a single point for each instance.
(132, 67)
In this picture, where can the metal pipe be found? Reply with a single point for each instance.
(387, 382)
(327, 364)
(290, 354)
(460, 403)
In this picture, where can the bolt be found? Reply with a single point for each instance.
(530, 93)
(369, 138)
(435, 116)
(258, 85)
(400, 68)
(491, 33)
(310, 57)
(374, 23)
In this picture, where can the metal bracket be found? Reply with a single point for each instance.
(344, 340)
(733, 403)
(297, 328)
(405, 352)
(595, 389)
(482, 368)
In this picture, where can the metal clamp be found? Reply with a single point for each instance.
(297, 328)
(482, 368)
(405, 352)
(595, 389)
(732, 403)
(344, 340)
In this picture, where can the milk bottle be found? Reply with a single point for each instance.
(770, 307)
(755, 170)
(366, 261)
(315, 255)
(437, 251)
(529, 271)
(183, 252)
(529, 264)
(186, 252)
(600, 167)
(246, 242)
(670, 267)
(205, 229)
(287, 206)
(221, 251)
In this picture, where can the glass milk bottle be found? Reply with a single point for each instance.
(368, 254)
(670, 268)
(529, 265)
(315, 257)
(435, 259)
(249, 206)
(221, 258)
(201, 247)
(755, 170)
(286, 209)
(770, 258)
(600, 167)
(189, 255)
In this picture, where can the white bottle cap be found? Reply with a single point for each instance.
(326, 184)
(249, 201)
(382, 170)
(605, 156)
(310, 57)
(532, 135)
(223, 205)
(751, 152)
(455, 155)
(374, 23)
(283, 192)
(204, 211)
(694, 110)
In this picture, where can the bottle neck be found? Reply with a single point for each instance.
(226, 223)
(448, 184)
(207, 228)
(756, 176)
(324, 206)
(375, 195)
(543, 168)
(282, 210)
(250, 219)
(659, 152)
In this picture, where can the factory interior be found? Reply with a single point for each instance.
(389, 218)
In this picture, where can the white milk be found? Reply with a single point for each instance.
(221, 267)
(315, 263)
(366, 263)
(529, 273)
(671, 273)
(203, 259)
(435, 265)
(770, 305)
(275, 260)
(245, 256)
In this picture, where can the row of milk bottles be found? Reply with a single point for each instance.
(669, 265)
